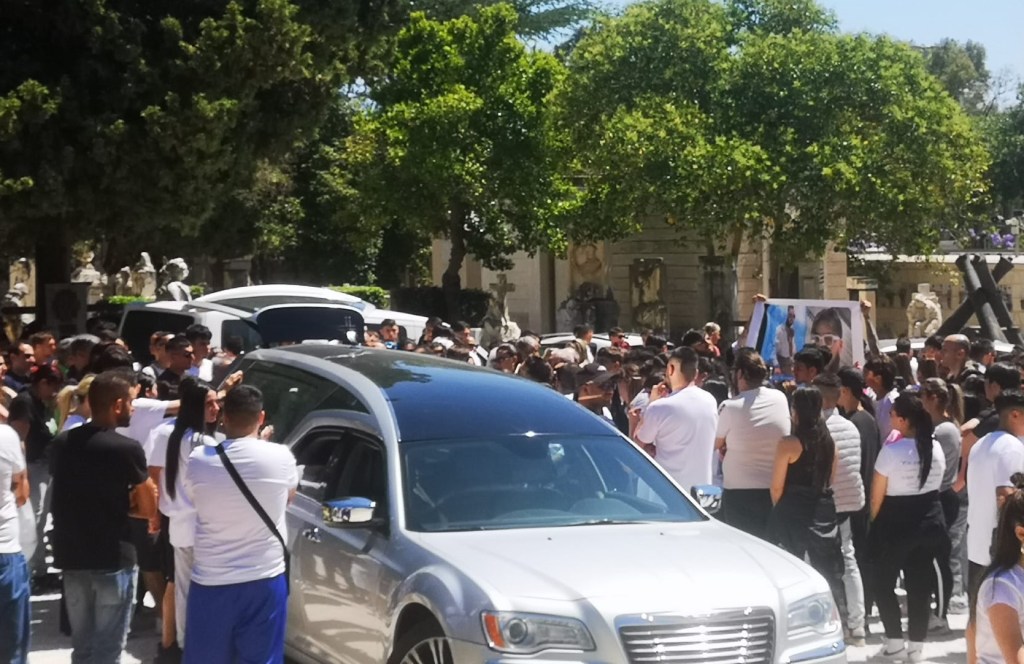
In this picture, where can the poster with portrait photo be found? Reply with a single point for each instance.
(781, 328)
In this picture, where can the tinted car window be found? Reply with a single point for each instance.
(139, 324)
(239, 328)
(320, 456)
(289, 394)
(530, 482)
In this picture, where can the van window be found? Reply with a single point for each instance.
(139, 324)
(289, 394)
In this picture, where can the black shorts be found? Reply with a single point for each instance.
(975, 575)
(163, 540)
(149, 553)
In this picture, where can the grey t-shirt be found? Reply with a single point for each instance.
(948, 435)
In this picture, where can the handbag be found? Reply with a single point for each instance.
(262, 513)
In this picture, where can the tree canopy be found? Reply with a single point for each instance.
(119, 118)
(961, 70)
(455, 142)
(756, 118)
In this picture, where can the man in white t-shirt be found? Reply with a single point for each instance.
(238, 601)
(993, 460)
(15, 591)
(200, 337)
(750, 426)
(680, 426)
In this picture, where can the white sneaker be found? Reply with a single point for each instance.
(884, 655)
(857, 638)
(915, 656)
(958, 604)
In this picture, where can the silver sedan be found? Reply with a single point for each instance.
(451, 514)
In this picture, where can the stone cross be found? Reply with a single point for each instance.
(501, 291)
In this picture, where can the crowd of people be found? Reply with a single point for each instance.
(907, 471)
(892, 474)
(118, 480)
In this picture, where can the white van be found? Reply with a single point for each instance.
(235, 313)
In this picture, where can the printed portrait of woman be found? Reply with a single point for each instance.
(829, 329)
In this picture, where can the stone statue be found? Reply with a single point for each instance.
(924, 313)
(144, 277)
(172, 281)
(85, 273)
(22, 271)
(121, 283)
(498, 326)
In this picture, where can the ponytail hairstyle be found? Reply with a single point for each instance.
(949, 396)
(70, 398)
(853, 380)
(191, 415)
(813, 435)
(909, 407)
(1006, 551)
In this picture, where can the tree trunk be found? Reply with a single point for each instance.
(451, 282)
(53, 263)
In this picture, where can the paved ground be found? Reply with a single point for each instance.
(49, 646)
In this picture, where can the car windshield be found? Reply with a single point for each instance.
(535, 482)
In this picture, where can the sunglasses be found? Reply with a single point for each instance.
(825, 339)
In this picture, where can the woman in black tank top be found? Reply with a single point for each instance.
(803, 521)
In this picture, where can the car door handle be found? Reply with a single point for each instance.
(312, 534)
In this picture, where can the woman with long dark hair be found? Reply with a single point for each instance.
(908, 530)
(945, 406)
(1000, 610)
(803, 520)
(171, 445)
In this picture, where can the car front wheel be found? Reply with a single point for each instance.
(424, 644)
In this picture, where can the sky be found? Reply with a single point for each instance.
(997, 24)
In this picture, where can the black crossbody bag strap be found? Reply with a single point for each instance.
(244, 488)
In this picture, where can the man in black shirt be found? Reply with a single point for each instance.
(100, 479)
(31, 415)
(20, 362)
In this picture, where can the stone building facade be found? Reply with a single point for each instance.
(692, 288)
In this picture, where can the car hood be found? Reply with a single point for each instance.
(642, 567)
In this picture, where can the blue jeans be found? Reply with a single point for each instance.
(241, 623)
(100, 611)
(15, 612)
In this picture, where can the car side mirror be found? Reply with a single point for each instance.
(708, 496)
(350, 512)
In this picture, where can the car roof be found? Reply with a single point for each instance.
(438, 399)
(279, 290)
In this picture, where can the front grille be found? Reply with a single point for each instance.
(745, 636)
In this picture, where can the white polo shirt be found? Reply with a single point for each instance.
(232, 544)
(12, 462)
(681, 426)
(993, 460)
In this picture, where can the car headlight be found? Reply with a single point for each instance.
(817, 614)
(528, 633)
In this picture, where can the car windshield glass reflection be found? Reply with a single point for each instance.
(534, 482)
